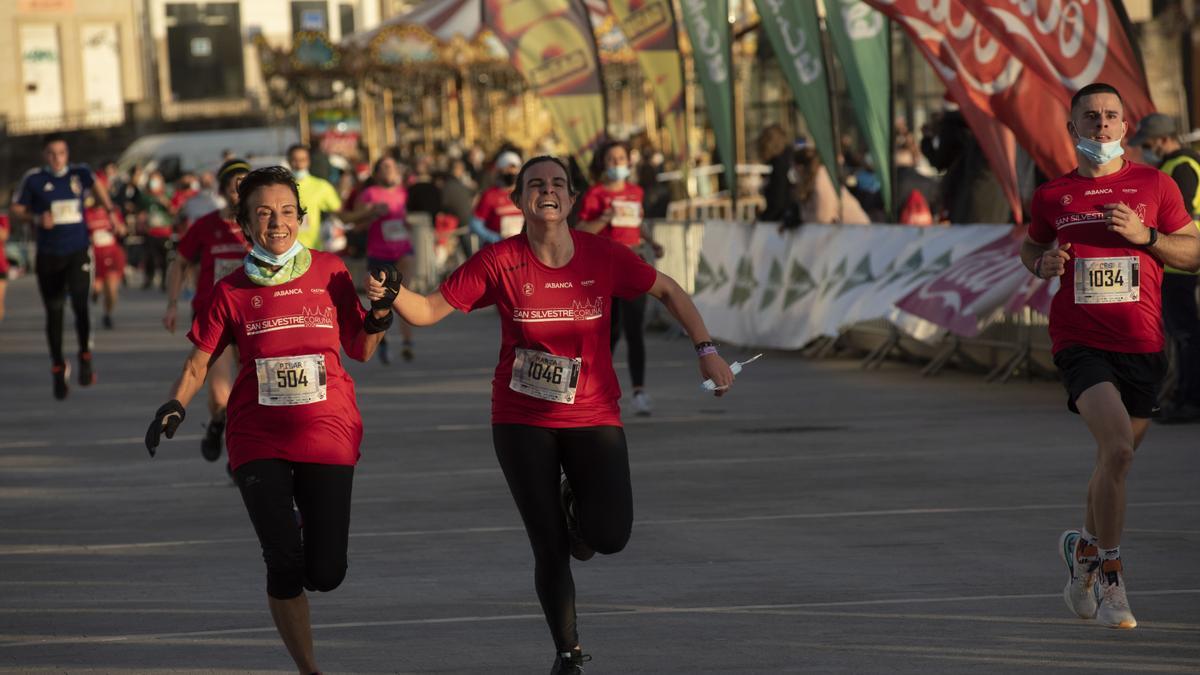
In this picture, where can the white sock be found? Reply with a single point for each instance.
(1089, 539)
(1110, 553)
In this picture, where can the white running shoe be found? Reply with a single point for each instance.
(1082, 562)
(641, 403)
(1114, 609)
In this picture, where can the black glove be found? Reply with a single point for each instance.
(391, 278)
(168, 418)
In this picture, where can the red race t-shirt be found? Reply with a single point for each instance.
(626, 226)
(1111, 293)
(100, 227)
(498, 213)
(554, 325)
(219, 246)
(291, 399)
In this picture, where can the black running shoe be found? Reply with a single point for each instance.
(87, 377)
(210, 445)
(406, 351)
(579, 548)
(570, 663)
(60, 373)
(107, 321)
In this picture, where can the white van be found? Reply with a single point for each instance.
(192, 151)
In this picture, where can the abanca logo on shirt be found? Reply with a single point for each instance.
(308, 318)
(580, 310)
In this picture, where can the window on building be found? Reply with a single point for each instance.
(310, 15)
(204, 50)
(346, 15)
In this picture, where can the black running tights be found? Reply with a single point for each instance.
(596, 463)
(58, 276)
(316, 558)
(628, 316)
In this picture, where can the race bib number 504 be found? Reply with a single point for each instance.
(291, 380)
(1100, 281)
(545, 376)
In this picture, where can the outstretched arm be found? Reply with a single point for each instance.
(417, 309)
(680, 305)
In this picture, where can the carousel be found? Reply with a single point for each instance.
(433, 77)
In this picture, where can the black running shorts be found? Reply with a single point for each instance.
(1136, 376)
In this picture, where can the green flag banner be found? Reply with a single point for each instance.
(795, 35)
(552, 46)
(649, 26)
(707, 23)
(860, 39)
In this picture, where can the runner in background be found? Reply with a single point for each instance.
(215, 246)
(496, 217)
(1116, 224)
(5, 229)
(52, 197)
(555, 395)
(319, 197)
(108, 255)
(388, 236)
(612, 208)
(154, 214)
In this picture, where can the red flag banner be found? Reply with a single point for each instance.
(987, 74)
(552, 46)
(1070, 45)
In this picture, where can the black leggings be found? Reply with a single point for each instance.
(596, 463)
(316, 560)
(156, 260)
(58, 276)
(630, 315)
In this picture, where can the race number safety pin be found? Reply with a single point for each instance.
(735, 367)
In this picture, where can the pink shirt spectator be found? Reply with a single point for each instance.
(388, 236)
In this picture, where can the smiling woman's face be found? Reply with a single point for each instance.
(274, 218)
(545, 193)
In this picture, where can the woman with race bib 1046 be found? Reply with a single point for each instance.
(294, 428)
(554, 396)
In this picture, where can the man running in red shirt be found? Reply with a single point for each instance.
(1117, 223)
(215, 243)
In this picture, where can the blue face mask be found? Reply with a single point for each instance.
(1152, 158)
(276, 260)
(1099, 153)
(616, 173)
(300, 174)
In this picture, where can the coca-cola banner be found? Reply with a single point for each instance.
(1070, 44)
(991, 86)
(964, 296)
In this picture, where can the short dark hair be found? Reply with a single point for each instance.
(297, 146)
(520, 186)
(1095, 88)
(259, 178)
(53, 138)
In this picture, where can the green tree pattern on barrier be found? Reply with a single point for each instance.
(774, 285)
(800, 284)
(744, 283)
(707, 278)
(861, 275)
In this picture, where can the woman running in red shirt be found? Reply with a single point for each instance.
(294, 428)
(554, 396)
(613, 208)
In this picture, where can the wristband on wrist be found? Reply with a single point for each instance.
(705, 348)
(1037, 267)
(1153, 238)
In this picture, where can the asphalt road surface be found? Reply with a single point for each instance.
(818, 519)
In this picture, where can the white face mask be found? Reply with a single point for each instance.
(300, 174)
(1099, 153)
